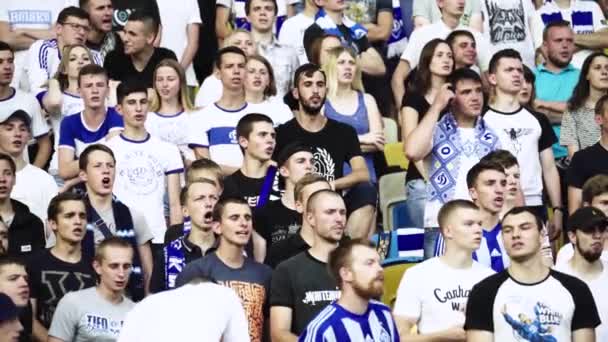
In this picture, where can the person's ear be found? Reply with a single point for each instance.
(216, 227)
(572, 237)
(83, 176)
(295, 93)
(243, 142)
(473, 194)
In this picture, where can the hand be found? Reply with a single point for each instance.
(444, 96)
(555, 225)
(456, 333)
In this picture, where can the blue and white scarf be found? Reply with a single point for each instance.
(401, 31)
(175, 260)
(357, 31)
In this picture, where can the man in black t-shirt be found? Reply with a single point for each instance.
(590, 161)
(302, 286)
(14, 283)
(139, 57)
(63, 268)
(334, 144)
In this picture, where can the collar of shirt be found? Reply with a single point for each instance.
(192, 248)
(568, 68)
(274, 43)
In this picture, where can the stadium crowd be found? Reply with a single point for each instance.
(199, 170)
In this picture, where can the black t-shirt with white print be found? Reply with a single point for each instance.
(335, 144)
(275, 222)
(549, 310)
(239, 185)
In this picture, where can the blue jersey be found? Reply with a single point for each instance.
(335, 323)
(75, 135)
(492, 252)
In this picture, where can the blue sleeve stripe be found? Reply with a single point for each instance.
(174, 171)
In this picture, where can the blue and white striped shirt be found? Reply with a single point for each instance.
(492, 251)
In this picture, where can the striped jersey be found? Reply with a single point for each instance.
(492, 251)
(335, 323)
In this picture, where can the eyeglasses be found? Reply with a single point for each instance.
(77, 27)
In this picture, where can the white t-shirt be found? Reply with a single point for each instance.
(567, 252)
(141, 170)
(28, 103)
(292, 34)
(237, 10)
(215, 128)
(172, 129)
(435, 294)
(175, 18)
(210, 91)
(207, 312)
(29, 14)
(274, 108)
(422, 35)
(510, 20)
(34, 188)
(599, 289)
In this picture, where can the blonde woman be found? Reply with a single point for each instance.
(347, 102)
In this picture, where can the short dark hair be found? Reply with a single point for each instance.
(553, 24)
(307, 70)
(481, 166)
(342, 257)
(183, 194)
(248, 6)
(5, 46)
(92, 69)
(6, 260)
(83, 160)
(220, 206)
(452, 206)
(71, 11)
(112, 241)
(600, 105)
(55, 205)
(226, 50)
(525, 209)
(129, 87)
(10, 161)
(148, 19)
(504, 53)
(594, 186)
(245, 125)
(457, 33)
(503, 157)
(463, 74)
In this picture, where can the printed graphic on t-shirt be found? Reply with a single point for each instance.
(516, 135)
(100, 326)
(144, 172)
(456, 298)
(320, 297)
(324, 164)
(56, 287)
(507, 25)
(253, 297)
(532, 321)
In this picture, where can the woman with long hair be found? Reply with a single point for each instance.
(527, 93)
(579, 129)
(436, 64)
(347, 102)
(170, 111)
(260, 90)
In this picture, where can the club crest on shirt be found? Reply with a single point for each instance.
(143, 171)
(324, 164)
(532, 322)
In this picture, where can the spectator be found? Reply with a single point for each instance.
(100, 39)
(211, 88)
(75, 133)
(3, 238)
(44, 56)
(10, 327)
(436, 64)
(292, 31)
(25, 230)
(197, 199)
(527, 93)
(261, 90)
(590, 161)
(584, 17)
(107, 217)
(529, 300)
(213, 132)
(587, 232)
(527, 135)
(278, 220)
(507, 24)
(429, 12)
(181, 27)
(284, 59)
(376, 18)
(513, 196)
(331, 19)
(461, 127)
(320, 47)
(170, 115)
(579, 129)
(464, 49)
(227, 265)
(557, 77)
(418, 304)
(139, 57)
(148, 168)
(13, 99)
(452, 13)
(356, 267)
(22, 22)
(217, 315)
(302, 286)
(62, 94)
(14, 283)
(97, 313)
(123, 10)
(206, 168)
(303, 239)
(255, 179)
(345, 88)
(63, 268)
(15, 132)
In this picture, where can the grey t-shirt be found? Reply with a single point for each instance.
(142, 233)
(84, 316)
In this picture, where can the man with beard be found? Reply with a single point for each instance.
(528, 300)
(587, 232)
(302, 286)
(356, 316)
(14, 283)
(433, 295)
(320, 133)
(100, 38)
